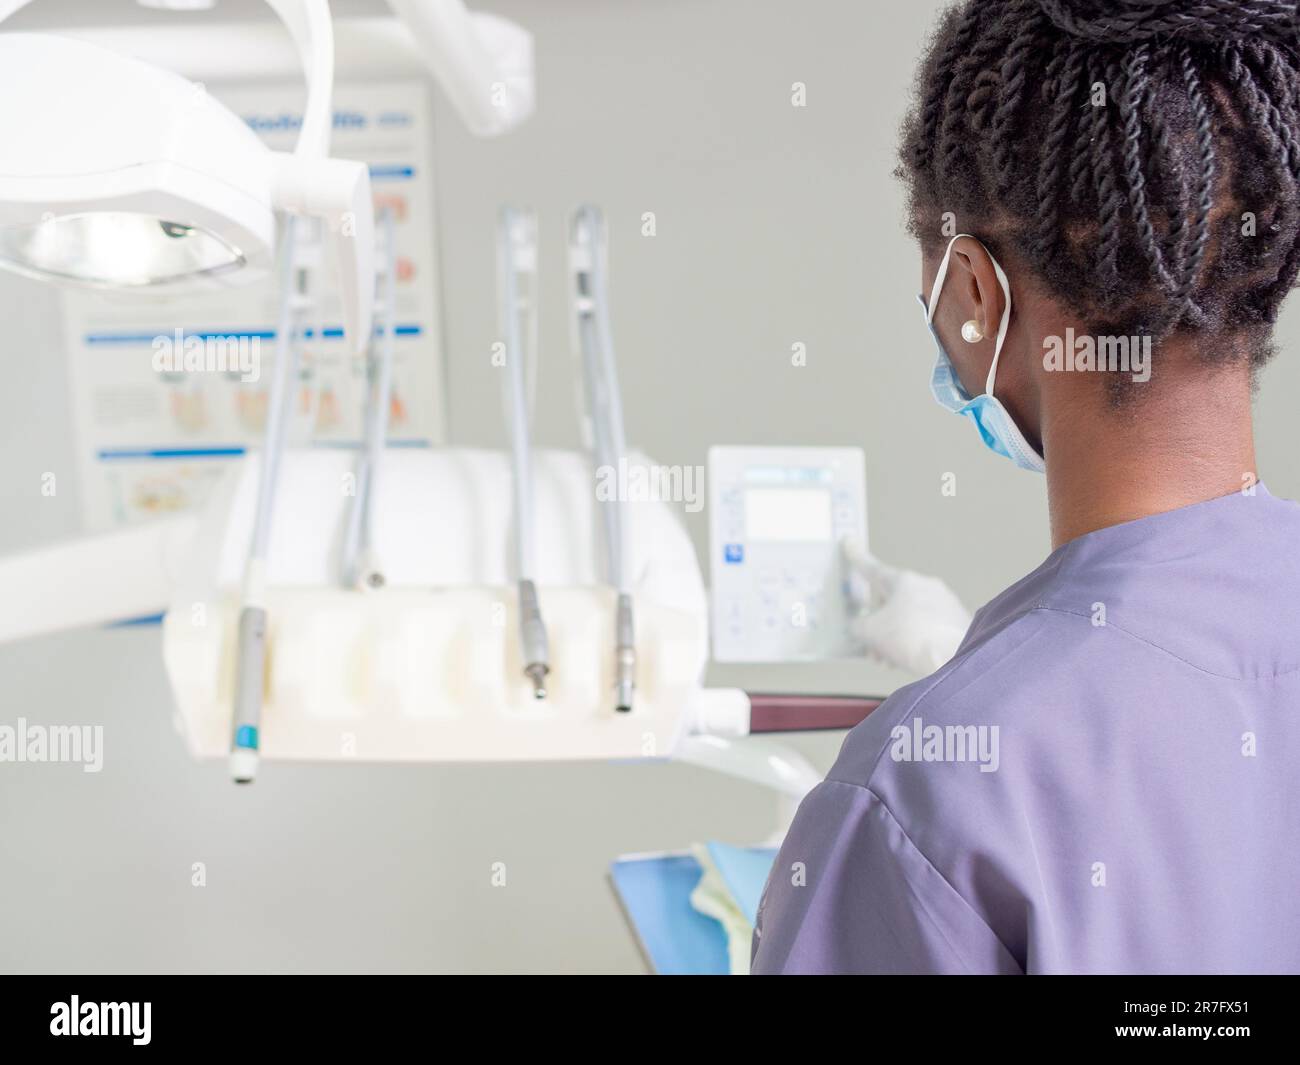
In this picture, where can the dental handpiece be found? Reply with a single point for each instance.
(517, 269)
(625, 652)
(587, 257)
(244, 755)
(250, 668)
(361, 568)
(532, 634)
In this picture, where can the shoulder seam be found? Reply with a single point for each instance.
(1158, 647)
(942, 674)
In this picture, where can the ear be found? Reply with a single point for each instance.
(976, 278)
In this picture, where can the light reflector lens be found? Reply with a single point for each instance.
(117, 249)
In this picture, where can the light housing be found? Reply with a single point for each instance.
(116, 249)
(119, 174)
(119, 145)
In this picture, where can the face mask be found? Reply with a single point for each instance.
(996, 427)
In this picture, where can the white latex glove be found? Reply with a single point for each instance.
(906, 619)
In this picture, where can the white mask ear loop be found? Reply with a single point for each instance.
(939, 278)
(942, 276)
(1002, 325)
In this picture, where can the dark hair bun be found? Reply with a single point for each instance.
(1105, 22)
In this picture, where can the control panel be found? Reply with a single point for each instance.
(777, 516)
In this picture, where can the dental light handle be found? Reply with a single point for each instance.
(337, 192)
(250, 665)
(517, 289)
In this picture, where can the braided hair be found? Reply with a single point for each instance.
(1142, 157)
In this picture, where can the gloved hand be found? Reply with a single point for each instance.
(906, 619)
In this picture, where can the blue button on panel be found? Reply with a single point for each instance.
(733, 553)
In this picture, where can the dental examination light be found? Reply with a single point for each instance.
(517, 290)
(589, 266)
(131, 178)
(360, 566)
(120, 175)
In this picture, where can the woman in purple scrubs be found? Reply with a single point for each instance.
(1106, 776)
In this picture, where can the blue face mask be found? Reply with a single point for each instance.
(996, 427)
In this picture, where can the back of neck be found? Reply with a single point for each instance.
(1188, 440)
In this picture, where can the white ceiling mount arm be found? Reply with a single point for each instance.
(309, 24)
(93, 580)
(8, 7)
(483, 63)
(336, 191)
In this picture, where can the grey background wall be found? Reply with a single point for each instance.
(775, 225)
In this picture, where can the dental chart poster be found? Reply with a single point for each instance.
(153, 436)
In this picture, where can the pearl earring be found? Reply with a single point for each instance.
(970, 332)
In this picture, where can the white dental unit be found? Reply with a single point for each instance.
(461, 605)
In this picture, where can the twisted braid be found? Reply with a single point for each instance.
(1200, 229)
(1137, 88)
(952, 141)
(1133, 21)
(1051, 171)
(1278, 126)
(1081, 162)
(1273, 97)
(933, 106)
(1014, 76)
(1109, 200)
(1179, 194)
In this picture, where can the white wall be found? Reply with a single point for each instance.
(775, 225)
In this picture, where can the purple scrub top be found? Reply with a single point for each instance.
(1104, 779)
